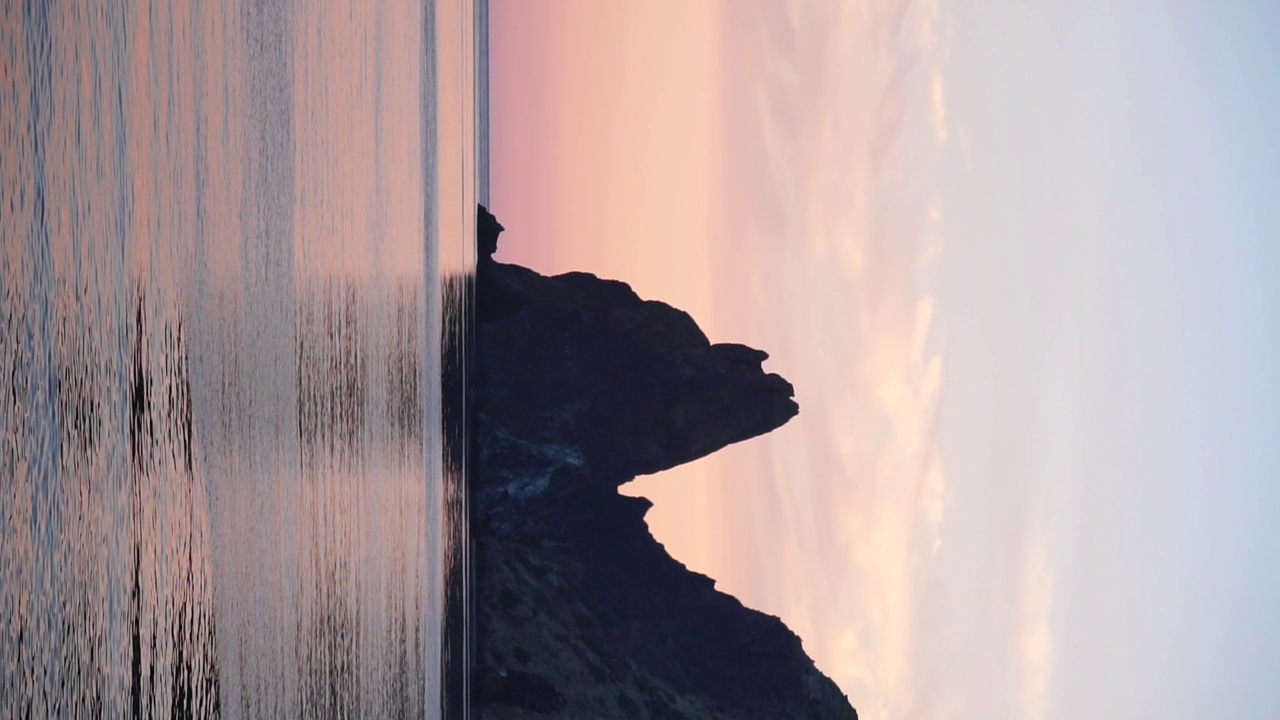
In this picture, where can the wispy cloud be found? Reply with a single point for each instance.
(827, 105)
(836, 120)
(938, 108)
(825, 232)
(1035, 629)
(935, 46)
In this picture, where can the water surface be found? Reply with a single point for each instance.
(233, 352)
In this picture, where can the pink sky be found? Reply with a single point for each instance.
(604, 146)
(771, 170)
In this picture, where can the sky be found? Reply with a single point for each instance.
(1017, 259)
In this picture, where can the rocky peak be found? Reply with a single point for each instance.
(634, 384)
(581, 386)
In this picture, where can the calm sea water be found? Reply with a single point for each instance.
(234, 341)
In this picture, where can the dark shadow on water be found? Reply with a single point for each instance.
(112, 514)
(457, 367)
(68, 510)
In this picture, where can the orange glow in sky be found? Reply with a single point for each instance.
(608, 142)
(703, 156)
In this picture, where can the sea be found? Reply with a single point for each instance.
(235, 351)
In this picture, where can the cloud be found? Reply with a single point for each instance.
(1035, 631)
(836, 123)
(935, 47)
(938, 108)
(825, 231)
(829, 212)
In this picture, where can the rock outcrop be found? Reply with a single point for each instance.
(634, 384)
(581, 386)
(487, 231)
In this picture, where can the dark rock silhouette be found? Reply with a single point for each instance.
(634, 384)
(581, 386)
(518, 689)
(487, 230)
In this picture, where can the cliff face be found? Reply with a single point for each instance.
(634, 384)
(581, 386)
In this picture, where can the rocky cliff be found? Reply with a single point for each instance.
(581, 386)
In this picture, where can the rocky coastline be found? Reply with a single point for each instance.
(581, 386)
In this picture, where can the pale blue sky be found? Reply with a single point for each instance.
(1110, 313)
